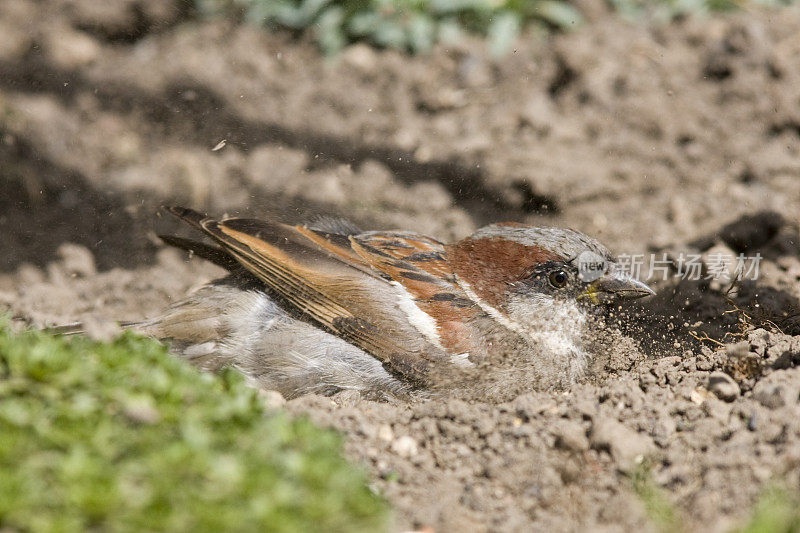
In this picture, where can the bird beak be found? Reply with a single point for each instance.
(615, 286)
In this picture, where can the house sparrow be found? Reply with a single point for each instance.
(326, 307)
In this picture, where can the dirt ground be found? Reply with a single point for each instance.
(682, 138)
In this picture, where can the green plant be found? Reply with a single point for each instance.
(124, 437)
(413, 25)
(661, 512)
(416, 25)
(669, 9)
(777, 511)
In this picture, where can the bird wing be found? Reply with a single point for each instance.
(337, 282)
(419, 264)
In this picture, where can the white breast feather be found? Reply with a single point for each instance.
(488, 309)
(422, 321)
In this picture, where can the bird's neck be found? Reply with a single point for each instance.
(545, 343)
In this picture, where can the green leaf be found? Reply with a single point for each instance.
(503, 33)
(442, 7)
(363, 23)
(389, 33)
(558, 14)
(421, 33)
(450, 31)
(330, 36)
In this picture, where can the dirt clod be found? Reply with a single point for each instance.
(723, 386)
(628, 448)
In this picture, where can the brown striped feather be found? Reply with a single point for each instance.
(419, 264)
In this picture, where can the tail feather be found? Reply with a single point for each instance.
(66, 329)
(208, 252)
(78, 328)
(190, 216)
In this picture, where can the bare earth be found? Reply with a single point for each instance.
(650, 138)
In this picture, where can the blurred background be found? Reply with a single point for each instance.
(643, 123)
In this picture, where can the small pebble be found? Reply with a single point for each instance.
(770, 396)
(723, 386)
(405, 446)
(626, 446)
(571, 436)
(272, 399)
(385, 433)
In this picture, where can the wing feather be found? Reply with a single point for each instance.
(419, 264)
(318, 276)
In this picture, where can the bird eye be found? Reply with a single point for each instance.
(558, 279)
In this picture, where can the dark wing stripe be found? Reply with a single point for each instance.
(397, 245)
(417, 276)
(454, 299)
(373, 250)
(425, 257)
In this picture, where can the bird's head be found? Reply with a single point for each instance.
(525, 274)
